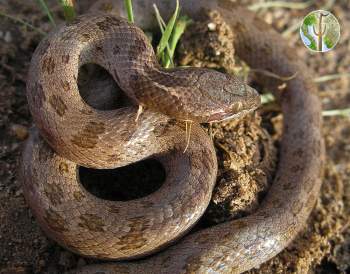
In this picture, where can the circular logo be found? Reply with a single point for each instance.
(320, 31)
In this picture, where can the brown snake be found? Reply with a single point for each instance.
(108, 139)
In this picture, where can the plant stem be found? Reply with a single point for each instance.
(280, 4)
(268, 98)
(336, 112)
(68, 9)
(128, 6)
(18, 20)
(47, 11)
(330, 77)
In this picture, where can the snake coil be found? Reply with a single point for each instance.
(73, 133)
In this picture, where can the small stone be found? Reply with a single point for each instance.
(18, 193)
(21, 132)
(81, 262)
(8, 37)
(212, 26)
(66, 259)
(42, 263)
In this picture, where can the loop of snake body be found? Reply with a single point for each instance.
(73, 134)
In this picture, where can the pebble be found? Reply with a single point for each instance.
(8, 37)
(81, 262)
(18, 193)
(211, 26)
(21, 132)
(66, 259)
(42, 263)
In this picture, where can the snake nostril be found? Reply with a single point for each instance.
(99, 90)
(125, 183)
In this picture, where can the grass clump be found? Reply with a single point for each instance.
(171, 32)
(67, 7)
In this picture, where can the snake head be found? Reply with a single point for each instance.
(197, 94)
(228, 95)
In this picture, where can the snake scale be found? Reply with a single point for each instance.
(77, 134)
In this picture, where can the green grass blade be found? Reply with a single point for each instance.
(179, 29)
(268, 98)
(68, 10)
(128, 7)
(163, 57)
(159, 18)
(47, 11)
(337, 112)
(18, 20)
(167, 31)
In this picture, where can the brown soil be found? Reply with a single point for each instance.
(323, 246)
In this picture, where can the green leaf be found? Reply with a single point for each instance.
(328, 42)
(129, 11)
(46, 10)
(68, 10)
(313, 45)
(167, 32)
(310, 20)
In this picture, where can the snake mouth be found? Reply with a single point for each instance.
(243, 104)
(237, 110)
(225, 116)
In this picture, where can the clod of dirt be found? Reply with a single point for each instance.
(208, 43)
(21, 132)
(247, 158)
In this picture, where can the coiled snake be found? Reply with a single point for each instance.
(78, 134)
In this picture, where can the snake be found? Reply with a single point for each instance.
(150, 234)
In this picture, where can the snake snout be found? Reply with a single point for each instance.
(237, 103)
(252, 99)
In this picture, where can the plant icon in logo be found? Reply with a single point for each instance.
(320, 31)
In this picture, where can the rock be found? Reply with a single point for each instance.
(66, 259)
(81, 262)
(8, 37)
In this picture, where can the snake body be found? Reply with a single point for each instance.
(77, 134)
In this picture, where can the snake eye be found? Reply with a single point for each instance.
(212, 80)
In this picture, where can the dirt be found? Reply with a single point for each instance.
(322, 247)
